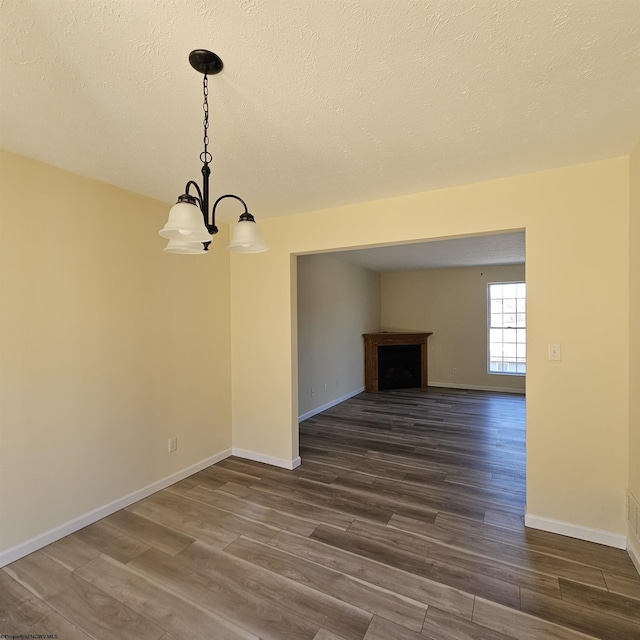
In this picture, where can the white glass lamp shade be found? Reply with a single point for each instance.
(184, 247)
(247, 238)
(185, 223)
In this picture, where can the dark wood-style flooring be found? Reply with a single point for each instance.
(404, 522)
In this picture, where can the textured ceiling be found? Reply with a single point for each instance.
(321, 103)
(472, 251)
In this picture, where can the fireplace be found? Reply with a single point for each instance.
(395, 360)
(399, 366)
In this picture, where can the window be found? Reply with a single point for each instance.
(507, 327)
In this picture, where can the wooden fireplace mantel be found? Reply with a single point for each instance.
(374, 340)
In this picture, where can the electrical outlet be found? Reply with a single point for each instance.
(172, 445)
(325, 386)
(313, 391)
(454, 370)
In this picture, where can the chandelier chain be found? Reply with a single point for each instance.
(205, 156)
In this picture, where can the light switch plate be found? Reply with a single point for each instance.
(554, 351)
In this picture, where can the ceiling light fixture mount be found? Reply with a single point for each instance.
(189, 227)
(206, 62)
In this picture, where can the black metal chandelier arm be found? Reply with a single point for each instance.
(203, 200)
(211, 228)
(231, 195)
(197, 188)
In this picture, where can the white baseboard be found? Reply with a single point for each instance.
(259, 457)
(633, 529)
(475, 387)
(633, 549)
(330, 404)
(600, 536)
(21, 550)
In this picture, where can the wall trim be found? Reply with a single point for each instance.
(25, 548)
(633, 549)
(600, 536)
(330, 404)
(475, 387)
(633, 529)
(260, 457)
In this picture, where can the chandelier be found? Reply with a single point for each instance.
(190, 228)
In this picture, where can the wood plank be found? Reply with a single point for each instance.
(354, 463)
(211, 515)
(223, 472)
(71, 552)
(582, 551)
(629, 587)
(150, 599)
(323, 634)
(183, 486)
(317, 475)
(381, 629)
(526, 562)
(148, 532)
(598, 622)
(215, 593)
(505, 491)
(446, 499)
(327, 498)
(251, 511)
(551, 544)
(376, 573)
(96, 613)
(289, 506)
(600, 600)
(366, 596)
(362, 504)
(523, 626)
(474, 563)
(426, 567)
(440, 625)
(514, 521)
(109, 541)
(355, 478)
(305, 603)
(209, 532)
(367, 432)
(196, 480)
(22, 614)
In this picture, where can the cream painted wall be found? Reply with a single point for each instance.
(263, 332)
(337, 303)
(451, 303)
(109, 346)
(576, 221)
(634, 324)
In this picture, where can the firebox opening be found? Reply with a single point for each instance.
(399, 366)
